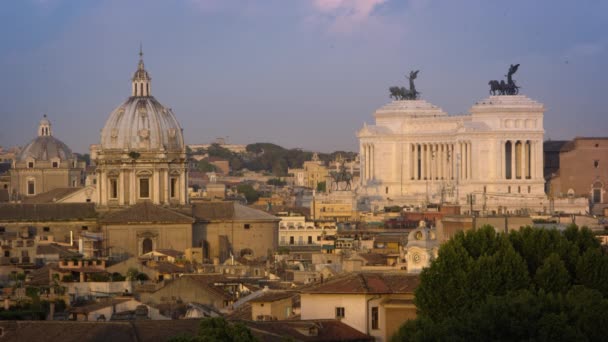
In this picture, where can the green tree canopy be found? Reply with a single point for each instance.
(218, 329)
(248, 191)
(532, 284)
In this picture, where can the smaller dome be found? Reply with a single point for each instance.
(45, 148)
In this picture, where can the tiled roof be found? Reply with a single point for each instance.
(145, 212)
(367, 283)
(218, 211)
(325, 330)
(50, 196)
(97, 306)
(55, 249)
(273, 296)
(372, 259)
(47, 212)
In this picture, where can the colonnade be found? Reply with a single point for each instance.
(439, 161)
(520, 159)
(367, 160)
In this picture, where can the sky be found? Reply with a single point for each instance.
(298, 73)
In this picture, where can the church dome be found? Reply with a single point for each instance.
(141, 122)
(45, 147)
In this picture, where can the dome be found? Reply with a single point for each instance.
(141, 122)
(45, 148)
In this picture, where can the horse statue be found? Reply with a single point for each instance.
(341, 176)
(402, 93)
(508, 88)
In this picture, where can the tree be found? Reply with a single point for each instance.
(218, 329)
(532, 284)
(321, 186)
(248, 191)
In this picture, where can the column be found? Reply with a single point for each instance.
(121, 187)
(513, 149)
(424, 167)
(452, 161)
(444, 159)
(522, 159)
(166, 185)
(533, 165)
(406, 160)
(132, 187)
(155, 187)
(372, 161)
(418, 163)
(182, 187)
(527, 159)
(103, 193)
(99, 187)
(470, 159)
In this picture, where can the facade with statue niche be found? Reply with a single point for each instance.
(422, 248)
(416, 154)
(142, 156)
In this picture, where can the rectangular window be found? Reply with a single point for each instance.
(340, 312)
(319, 238)
(30, 165)
(246, 226)
(529, 189)
(7, 254)
(55, 164)
(173, 187)
(310, 240)
(113, 188)
(291, 240)
(144, 188)
(375, 317)
(2, 229)
(85, 228)
(46, 229)
(31, 187)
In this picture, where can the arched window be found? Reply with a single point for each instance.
(146, 246)
(141, 89)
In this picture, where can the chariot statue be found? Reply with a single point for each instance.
(402, 93)
(508, 88)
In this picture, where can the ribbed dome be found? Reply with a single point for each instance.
(142, 123)
(45, 148)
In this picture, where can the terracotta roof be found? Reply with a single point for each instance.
(170, 252)
(71, 331)
(273, 296)
(367, 283)
(97, 306)
(324, 330)
(41, 276)
(145, 212)
(47, 212)
(55, 249)
(372, 259)
(167, 268)
(50, 196)
(218, 211)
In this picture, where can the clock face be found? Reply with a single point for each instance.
(416, 258)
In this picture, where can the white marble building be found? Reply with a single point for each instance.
(416, 154)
